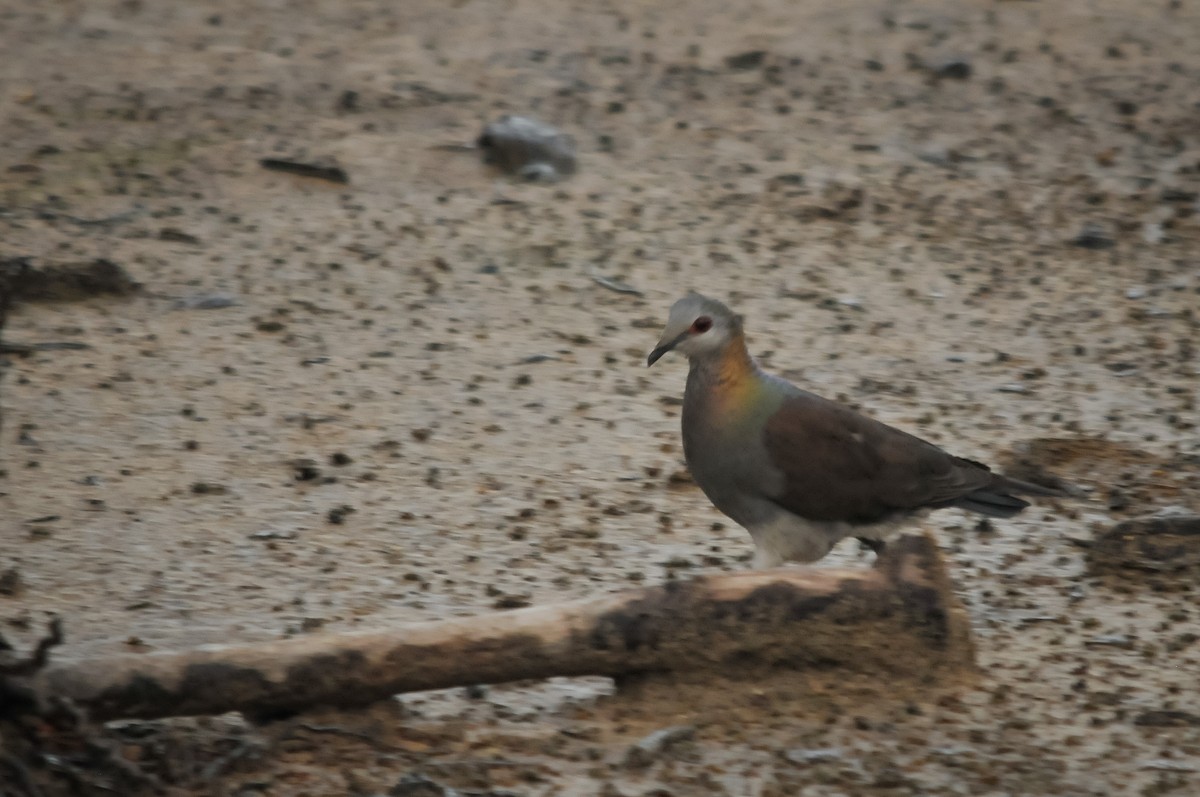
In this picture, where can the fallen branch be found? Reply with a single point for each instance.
(899, 617)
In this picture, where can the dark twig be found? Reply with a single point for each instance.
(116, 218)
(334, 174)
(41, 654)
(614, 285)
(25, 349)
(49, 215)
(340, 731)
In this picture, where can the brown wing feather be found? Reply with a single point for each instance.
(842, 466)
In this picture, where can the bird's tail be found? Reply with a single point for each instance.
(997, 499)
(991, 503)
(1026, 488)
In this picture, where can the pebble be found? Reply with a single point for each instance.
(274, 534)
(751, 59)
(1167, 765)
(807, 757)
(10, 582)
(1094, 236)
(954, 67)
(652, 747)
(528, 148)
(420, 786)
(1111, 641)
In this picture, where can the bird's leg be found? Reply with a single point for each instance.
(875, 545)
(765, 558)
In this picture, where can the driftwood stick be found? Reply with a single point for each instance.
(898, 617)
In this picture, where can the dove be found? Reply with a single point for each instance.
(801, 472)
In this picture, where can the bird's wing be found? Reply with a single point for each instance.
(842, 466)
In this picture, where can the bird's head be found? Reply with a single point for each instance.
(697, 327)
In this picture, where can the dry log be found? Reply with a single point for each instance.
(898, 618)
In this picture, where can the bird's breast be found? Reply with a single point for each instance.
(722, 443)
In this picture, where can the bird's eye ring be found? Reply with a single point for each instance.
(701, 324)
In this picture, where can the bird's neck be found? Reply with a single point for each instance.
(728, 377)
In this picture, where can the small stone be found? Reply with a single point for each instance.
(528, 148)
(807, 757)
(751, 59)
(306, 470)
(652, 747)
(420, 786)
(1094, 236)
(1118, 500)
(274, 534)
(1167, 765)
(338, 514)
(176, 235)
(511, 602)
(954, 67)
(937, 155)
(348, 101)
(1111, 641)
(10, 582)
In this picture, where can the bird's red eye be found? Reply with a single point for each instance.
(702, 324)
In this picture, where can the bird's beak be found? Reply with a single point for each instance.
(663, 348)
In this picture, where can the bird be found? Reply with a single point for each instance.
(801, 472)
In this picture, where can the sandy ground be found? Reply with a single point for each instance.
(478, 409)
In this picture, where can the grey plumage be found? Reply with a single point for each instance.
(798, 471)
